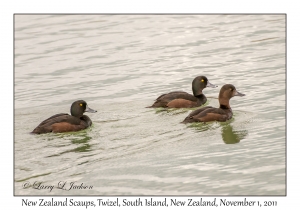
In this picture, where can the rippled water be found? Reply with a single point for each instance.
(119, 64)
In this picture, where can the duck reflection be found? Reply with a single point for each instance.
(202, 127)
(80, 139)
(83, 145)
(230, 136)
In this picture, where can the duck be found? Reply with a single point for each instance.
(63, 122)
(180, 99)
(221, 114)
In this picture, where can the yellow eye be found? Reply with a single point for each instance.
(202, 80)
(80, 104)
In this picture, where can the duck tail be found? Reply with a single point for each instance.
(188, 120)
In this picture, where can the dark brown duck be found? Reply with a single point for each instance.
(180, 99)
(64, 122)
(223, 113)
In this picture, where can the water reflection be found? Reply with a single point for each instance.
(84, 146)
(230, 136)
(202, 127)
(80, 140)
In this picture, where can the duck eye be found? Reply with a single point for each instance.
(202, 80)
(80, 104)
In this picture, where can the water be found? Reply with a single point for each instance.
(119, 64)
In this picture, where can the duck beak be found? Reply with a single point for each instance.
(210, 85)
(238, 94)
(88, 109)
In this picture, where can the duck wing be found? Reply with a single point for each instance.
(190, 117)
(173, 92)
(206, 114)
(54, 117)
(46, 125)
(163, 100)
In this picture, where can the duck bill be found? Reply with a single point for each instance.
(88, 109)
(210, 85)
(238, 94)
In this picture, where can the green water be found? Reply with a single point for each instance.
(119, 65)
